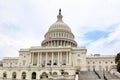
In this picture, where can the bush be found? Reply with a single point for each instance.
(117, 61)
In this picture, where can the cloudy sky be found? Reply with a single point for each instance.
(95, 24)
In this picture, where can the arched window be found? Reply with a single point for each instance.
(34, 75)
(4, 75)
(24, 75)
(66, 73)
(54, 73)
(44, 74)
(14, 75)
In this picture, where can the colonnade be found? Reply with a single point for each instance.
(50, 58)
(59, 43)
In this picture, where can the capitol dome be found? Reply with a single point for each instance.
(59, 34)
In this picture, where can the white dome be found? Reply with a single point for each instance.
(59, 25)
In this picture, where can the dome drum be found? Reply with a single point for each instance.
(59, 42)
(59, 34)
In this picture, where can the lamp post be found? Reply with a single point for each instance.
(62, 71)
(50, 77)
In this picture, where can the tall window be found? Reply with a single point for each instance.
(4, 75)
(34, 75)
(14, 75)
(24, 75)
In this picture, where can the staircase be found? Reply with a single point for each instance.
(87, 75)
(97, 75)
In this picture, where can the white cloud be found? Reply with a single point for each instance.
(109, 45)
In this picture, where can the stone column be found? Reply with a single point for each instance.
(52, 58)
(58, 60)
(67, 58)
(60, 42)
(51, 43)
(46, 58)
(57, 42)
(32, 58)
(38, 59)
(61, 59)
(29, 58)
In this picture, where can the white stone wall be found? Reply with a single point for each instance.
(100, 62)
(77, 59)
(10, 62)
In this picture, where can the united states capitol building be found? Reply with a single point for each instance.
(58, 54)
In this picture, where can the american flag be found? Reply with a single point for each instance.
(49, 39)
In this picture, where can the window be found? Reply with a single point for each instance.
(99, 62)
(111, 62)
(78, 55)
(88, 62)
(4, 75)
(106, 62)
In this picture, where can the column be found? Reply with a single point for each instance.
(46, 59)
(58, 60)
(38, 59)
(40, 53)
(52, 58)
(69, 58)
(61, 59)
(61, 42)
(51, 43)
(48, 43)
(54, 43)
(66, 58)
(58, 43)
(32, 57)
(64, 43)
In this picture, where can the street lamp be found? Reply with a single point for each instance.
(50, 77)
(62, 71)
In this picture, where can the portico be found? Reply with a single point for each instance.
(50, 58)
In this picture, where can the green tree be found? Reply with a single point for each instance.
(118, 66)
(117, 61)
(117, 58)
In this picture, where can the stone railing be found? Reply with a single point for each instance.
(33, 79)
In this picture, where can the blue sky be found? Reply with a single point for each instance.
(95, 24)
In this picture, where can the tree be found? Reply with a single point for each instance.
(118, 66)
(117, 61)
(117, 58)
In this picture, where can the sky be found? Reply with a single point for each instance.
(95, 24)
